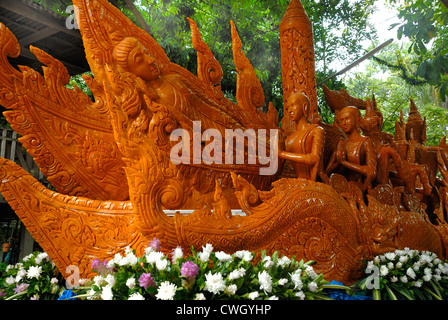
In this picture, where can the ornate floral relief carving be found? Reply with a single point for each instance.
(53, 122)
(125, 134)
(71, 230)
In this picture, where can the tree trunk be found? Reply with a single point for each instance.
(141, 21)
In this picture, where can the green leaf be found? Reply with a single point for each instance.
(436, 288)
(433, 294)
(362, 284)
(390, 293)
(419, 294)
(406, 293)
(376, 294)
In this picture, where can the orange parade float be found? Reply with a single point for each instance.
(334, 193)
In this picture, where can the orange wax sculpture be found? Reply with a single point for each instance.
(109, 159)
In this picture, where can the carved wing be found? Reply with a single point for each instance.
(68, 135)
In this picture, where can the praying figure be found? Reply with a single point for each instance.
(356, 156)
(305, 146)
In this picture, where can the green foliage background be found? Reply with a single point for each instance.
(341, 29)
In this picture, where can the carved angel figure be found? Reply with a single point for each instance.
(305, 146)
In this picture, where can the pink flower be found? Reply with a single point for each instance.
(20, 288)
(189, 269)
(155, 244)
(146, 280)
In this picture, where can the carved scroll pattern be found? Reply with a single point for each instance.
(71, 230)
(272, 223)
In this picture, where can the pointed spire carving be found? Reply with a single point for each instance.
(298, 60)
(416, 124)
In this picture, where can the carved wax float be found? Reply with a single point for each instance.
(109, 159)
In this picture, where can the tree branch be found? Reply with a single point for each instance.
(411, 79)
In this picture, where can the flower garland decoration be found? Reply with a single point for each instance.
(406, 274)
(34, 278)
(204, 275)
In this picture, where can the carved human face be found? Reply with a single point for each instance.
(295, 112)
(142, 65)
(347, 120)
(295, 106)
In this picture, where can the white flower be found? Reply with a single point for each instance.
(244, 255)
(384, 271)
(106, 293)
(10, 280)
(410, 273)
(265, 281)
(393, 279)
(40, 257)
(282, 281)
(166, 291)
(254, 295)
(312, 286)
(199, 296)
(161, 264)
(231, 290)
(390, 256)
(177, 254)
(130, 259)
(300, 295)
(208, 248)
(390, 265)
(403, 259)
(404, 279)
(92, 294)
(283, 262)
(418, 283)
(204, 256)
(136, 296)
(115, 261)
(268, 263)
(223, 257)
(297, 279)
(417, 266)
(214, 283)
(34, 272)
(311, 273)
(21, 273)
(54, 281)
(131, 283)
(427, 277)
(424, 258)
(154, 256)
(236, 274)
(273, 298)
(110, 279)
(98, 280)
